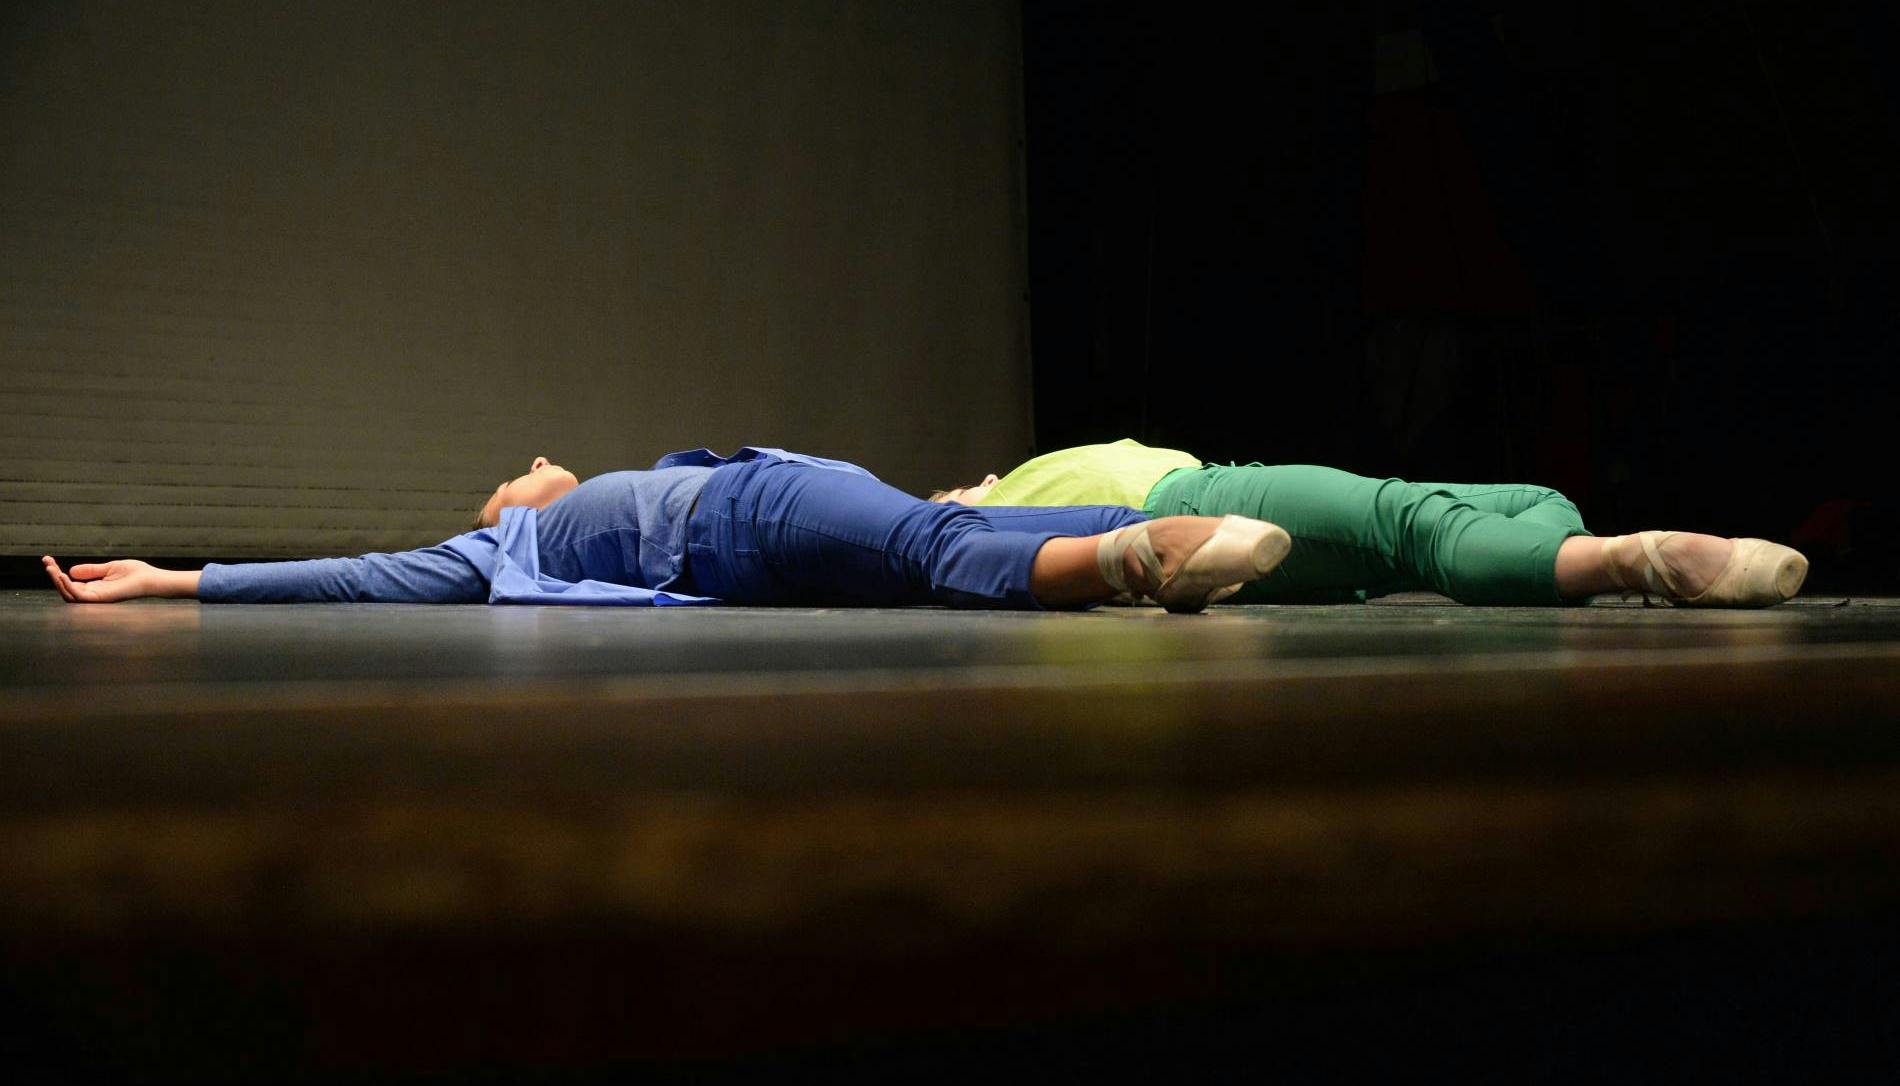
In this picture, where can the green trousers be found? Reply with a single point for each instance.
(1355, 537)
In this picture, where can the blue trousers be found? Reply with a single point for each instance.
(772, 531)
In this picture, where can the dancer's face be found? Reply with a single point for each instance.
(967, 495)
(544, 482)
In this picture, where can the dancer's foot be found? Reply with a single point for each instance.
(1186, 563)
(1704, 570)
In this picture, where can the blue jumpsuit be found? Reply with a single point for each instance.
(763, 527)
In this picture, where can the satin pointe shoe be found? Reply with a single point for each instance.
(1758, 574)
(1235, 551)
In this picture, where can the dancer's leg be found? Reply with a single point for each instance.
(1064, 573)
(1475, 543)
(1584, 567)
(1520, 501)
(775, 532)
(1588, 566)
(1384, 535)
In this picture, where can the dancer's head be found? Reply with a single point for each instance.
(544, 482)
(966, 495)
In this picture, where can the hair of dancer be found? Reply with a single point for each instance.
(765, 527)
(1354, 536)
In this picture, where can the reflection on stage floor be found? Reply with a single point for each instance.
(439, 839)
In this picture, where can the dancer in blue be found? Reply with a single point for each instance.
(765, 526)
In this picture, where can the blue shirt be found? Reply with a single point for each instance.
(618, 538)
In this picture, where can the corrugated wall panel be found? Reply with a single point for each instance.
(281, 281)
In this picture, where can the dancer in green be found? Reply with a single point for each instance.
(1355, 536)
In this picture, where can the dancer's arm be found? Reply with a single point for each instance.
(430, 575)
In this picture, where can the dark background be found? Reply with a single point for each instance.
(1642, 252)
(1639, 252)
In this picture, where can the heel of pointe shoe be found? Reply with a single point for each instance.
(1240, 550)
(1108, 557)
(1654, 578)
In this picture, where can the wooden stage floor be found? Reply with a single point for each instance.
(386, 841)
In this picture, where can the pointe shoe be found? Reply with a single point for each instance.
(1758, 573)
(1238, 550)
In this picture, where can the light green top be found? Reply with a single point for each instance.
(1121, 473)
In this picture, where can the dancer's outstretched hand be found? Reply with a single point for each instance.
(125, 579)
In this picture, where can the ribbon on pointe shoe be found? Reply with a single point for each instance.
(1655, 578)
(1115, 544)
